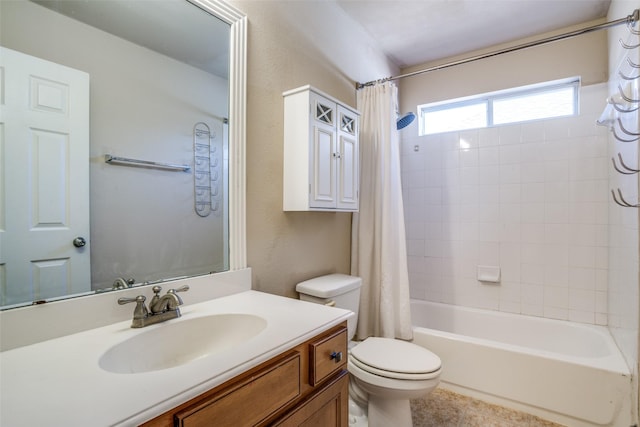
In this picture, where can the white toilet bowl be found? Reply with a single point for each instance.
(384, 373)
(389, 373)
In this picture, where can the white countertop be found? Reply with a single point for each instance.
(59, 382)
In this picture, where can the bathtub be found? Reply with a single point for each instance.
(565, 372)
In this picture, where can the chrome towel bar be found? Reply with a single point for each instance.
(108, 158)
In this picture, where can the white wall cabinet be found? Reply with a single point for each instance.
(321, 153)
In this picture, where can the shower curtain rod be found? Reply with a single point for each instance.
(629, 20)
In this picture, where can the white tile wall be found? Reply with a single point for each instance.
(531, 198)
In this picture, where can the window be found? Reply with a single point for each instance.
(541, 101)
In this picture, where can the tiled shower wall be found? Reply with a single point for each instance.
(529, 198)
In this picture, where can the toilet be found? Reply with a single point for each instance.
(384, 373)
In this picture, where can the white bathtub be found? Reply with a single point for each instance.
(566, 372)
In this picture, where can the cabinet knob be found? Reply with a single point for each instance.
(337, 356)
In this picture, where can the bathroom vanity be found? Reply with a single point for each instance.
(307, 385)
(283, 363)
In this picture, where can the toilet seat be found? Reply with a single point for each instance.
(395, 359)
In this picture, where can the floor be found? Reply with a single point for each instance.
(443, 408)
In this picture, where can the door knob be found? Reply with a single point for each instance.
(79, 242)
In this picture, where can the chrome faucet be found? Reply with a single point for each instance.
(121, 283)
(169, 301)
(161, 308)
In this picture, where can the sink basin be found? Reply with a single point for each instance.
(168, 345)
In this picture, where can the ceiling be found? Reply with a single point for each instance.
(171, 27)
(409, 32)
(412, 32)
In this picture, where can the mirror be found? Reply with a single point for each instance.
(131, 134)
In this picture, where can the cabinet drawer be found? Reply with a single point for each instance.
(248, 402)
(327, 355)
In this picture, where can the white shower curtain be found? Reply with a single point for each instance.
(378, 243)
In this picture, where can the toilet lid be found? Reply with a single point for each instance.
(388, 356)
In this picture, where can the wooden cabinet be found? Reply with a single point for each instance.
(304, 386)
(321, 153)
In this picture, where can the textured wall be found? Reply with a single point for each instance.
(584, 56)
(291, 44)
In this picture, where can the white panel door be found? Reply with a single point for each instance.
(323, 183)
(348, 157)
(44, 132)
(323, 153)
(348, 176)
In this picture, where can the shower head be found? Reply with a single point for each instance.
(405, 120)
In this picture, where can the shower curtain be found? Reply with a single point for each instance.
(378, 243)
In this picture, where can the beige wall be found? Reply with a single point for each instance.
(288, 47)
(584, 56)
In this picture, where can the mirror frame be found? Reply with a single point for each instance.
(237, 125)
(31, 324)
(237, 81)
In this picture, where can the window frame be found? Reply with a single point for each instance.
(489, 98)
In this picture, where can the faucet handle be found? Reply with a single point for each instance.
(140, 312)
(183, 288)
(139, 298)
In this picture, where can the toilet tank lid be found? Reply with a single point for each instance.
(329, 286)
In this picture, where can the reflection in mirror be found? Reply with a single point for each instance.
(141, 80)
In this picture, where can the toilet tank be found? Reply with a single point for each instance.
(339, 290)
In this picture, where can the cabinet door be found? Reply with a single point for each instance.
(348, 159)
(323, 153)
(328, 408)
